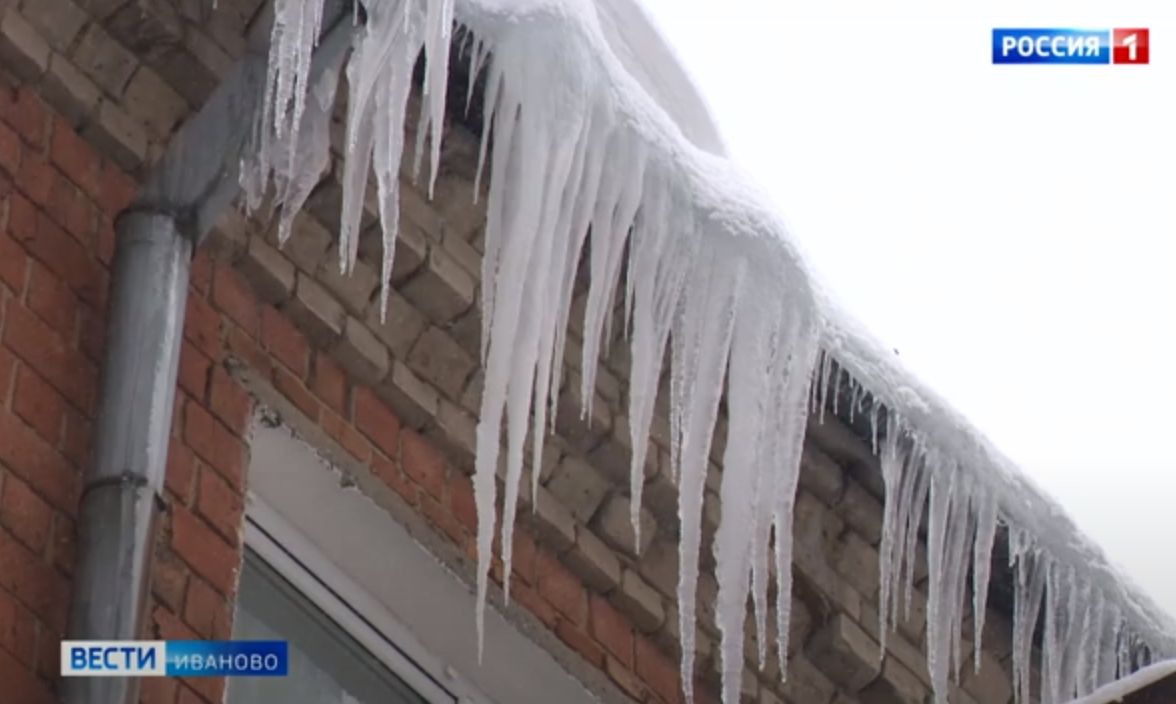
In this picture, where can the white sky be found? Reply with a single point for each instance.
(1011, 230)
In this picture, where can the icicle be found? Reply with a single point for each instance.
(986, 522)
(796, 352)
(536, 313)
(874, 411)
(1030, 590)
(1108, 661)
(703, 337)
(891, 553)
(939, 531)
(1086, 667)
(914, 519)
(615, 211)
(1053, 639)
(557, 297)
(733, 540)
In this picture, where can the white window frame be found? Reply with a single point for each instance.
(300, 563)
(367, 566)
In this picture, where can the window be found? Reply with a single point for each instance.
(382, 589)
(327, 664)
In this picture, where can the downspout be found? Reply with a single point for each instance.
(156, 237)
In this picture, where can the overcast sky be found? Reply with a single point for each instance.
(1011, 230)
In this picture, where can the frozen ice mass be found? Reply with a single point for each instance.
(605, 144)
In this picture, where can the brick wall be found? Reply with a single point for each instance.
(57, 201)
(54, 210)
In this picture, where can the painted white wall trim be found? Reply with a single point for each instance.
(421, 612)
(292, 556)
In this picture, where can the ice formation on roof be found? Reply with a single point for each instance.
(605, 134)
(1119, 689)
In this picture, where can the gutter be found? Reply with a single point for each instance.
(122, 494)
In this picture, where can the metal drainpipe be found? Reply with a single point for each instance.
(120, 502)
(122, 493)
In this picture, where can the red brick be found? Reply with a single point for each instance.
(530, 600)
(180, 476)
(244, 348)
(158, 690)
(169, 577)
(293, 389)
(207, 612)
(200, 276)
(50, 298)
(194, 370)
(168, 626)
(74, 157)
(658, 671)
(192, 690)
(284, 341)
(32, 459)
(374, 420)
(387, 470)
(232, 296)
(461, 502)
(7, 377)
(67, 258)
(347, 437)
(25, 514)
(34, 583)
(72, 210)
(204, 551)
(49, 656)
(422, 463)
(220, 505)
(92, 340)
(560, 587)
(67, 370)
(20, 685)
(496, 568)
(179, 418)
(116, 190)
(579, 641)
(202, 690)
(187, 695)
(22, 217)
(443, 520)
(330, 384)
(214, 443)
(38, 405)
(65, 544)
(625, 679)
(13, 264)
(524, 557)
(25, 112)
(35, 179)
(18, 629)
(77, 438)
(612, 629)
(106, 240)
(230, 403)
(10, 150)
(202, 327)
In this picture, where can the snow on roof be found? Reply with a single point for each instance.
(1138, 681)
(606, 131)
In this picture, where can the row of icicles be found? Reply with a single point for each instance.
(573, 150)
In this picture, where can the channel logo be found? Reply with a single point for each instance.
(175, 658)
(1070, 46)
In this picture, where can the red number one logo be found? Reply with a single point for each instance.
(1129, 46)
